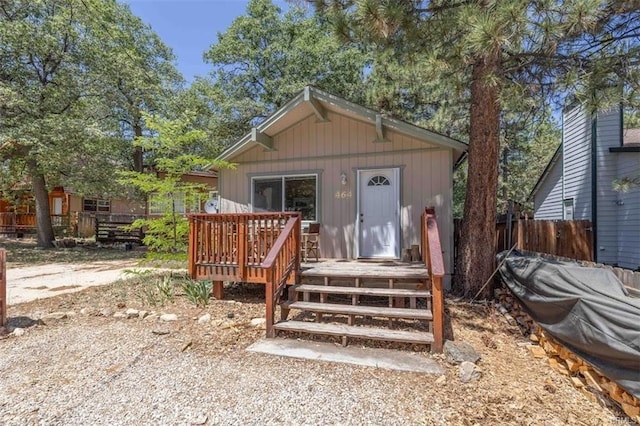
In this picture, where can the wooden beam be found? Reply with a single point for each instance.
(380, 130)
(316, 106)
(262, 139)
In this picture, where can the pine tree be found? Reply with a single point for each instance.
(527, 49)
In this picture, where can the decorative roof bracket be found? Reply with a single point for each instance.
(260, 138)
(316, 106)
(380, 133)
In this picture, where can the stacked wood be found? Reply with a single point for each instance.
(582, 375)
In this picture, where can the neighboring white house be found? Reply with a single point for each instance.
(577, 183)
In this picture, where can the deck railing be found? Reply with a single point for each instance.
(3, 287)
(232, 247)
(432, 254)
(12, 223)
(282, 260)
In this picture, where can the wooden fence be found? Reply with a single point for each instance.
(565, 238)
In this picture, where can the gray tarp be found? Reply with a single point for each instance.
(586, 309)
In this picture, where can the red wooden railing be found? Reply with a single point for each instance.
(283, 260)
(232, 247)
(435, 265)
(3, 287)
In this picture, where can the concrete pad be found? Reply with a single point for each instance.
(370, 357)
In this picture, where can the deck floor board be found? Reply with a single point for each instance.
(348, 269)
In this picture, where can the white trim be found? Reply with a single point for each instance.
(317, 98)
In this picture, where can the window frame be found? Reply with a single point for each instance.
(100, 205)
(568, 202)
(283, 177)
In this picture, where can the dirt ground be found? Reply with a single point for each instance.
(515, 388)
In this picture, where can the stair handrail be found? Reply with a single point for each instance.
(283, 259)
(435, 266)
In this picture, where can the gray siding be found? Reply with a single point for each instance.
(576, 153)
(547, 200)
(628, 209)
(608, 135)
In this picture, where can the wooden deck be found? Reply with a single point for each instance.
(265, 248)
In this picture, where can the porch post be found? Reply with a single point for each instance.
(438, 314)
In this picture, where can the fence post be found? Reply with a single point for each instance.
(3, 287)
(520, 237)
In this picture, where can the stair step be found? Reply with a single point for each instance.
(353, 331)
(364, 291)
(330, 308)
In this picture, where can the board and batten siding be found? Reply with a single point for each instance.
(608, 133)
(628, 209)
(576, 155)
(344, 145)
(547, 200)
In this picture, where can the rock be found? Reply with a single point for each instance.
(120, 315)
(142, 314)
(230, 315)
(71, 314)
(441, 380)
(200, 420)
(258, 322)
(204, 319)
(151, 317)
(469, 372)
(168, 317)
(105, 312)
(132, 313)
(458, 352)
(160, 332)
(86, 311)
(18, 332)
(55, 316)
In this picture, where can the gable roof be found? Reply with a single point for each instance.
(546, 171)
(312, 101)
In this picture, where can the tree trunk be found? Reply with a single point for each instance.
(43, 212)
(476, 258)
(137, 153)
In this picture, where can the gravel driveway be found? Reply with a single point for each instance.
(123, 374)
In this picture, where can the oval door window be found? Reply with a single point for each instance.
(379, 181)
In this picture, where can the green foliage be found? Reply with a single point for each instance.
(266, 57)
(74, 76)
(197, 292)
(152, 289)
(166, 236)
(170, 149)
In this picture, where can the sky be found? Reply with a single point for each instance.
(190, 27)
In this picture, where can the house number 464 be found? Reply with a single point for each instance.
(343, 194)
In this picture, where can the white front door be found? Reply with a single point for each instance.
(378, 220)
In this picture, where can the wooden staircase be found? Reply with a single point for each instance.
(369, 302)
(395, 308)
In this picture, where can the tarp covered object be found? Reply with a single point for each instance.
(588, 310)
